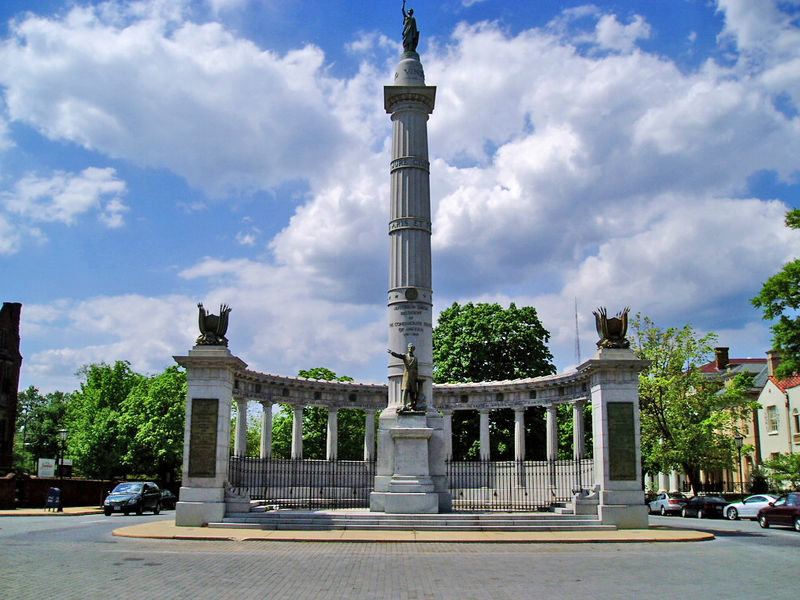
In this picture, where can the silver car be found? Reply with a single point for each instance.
(666, 503)
(749, 507)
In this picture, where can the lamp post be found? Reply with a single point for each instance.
(62, 448)
(739, 441)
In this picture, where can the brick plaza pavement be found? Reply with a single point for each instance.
(125, 568)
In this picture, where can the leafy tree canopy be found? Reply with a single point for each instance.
(785, 468)
(780, 299)
(486, 342)
(688, 420)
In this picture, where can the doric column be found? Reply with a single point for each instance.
(447, 433)
(332, 439)
(297, 432)
(485, 448)
(369, 434)
(266, 429)
(578, 431)
(663, 482)
(674, 486)
(519, 433)
(552, 432)
(240, 441)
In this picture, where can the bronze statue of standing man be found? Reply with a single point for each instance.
(410, 31)
(410, 384)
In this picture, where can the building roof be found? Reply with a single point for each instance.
(736, 365)
(785, 384)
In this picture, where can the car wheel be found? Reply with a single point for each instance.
(684, 513)
(701, 514)
(797, 523)
(733, 514)
(107, 512)
(157, 508)
(762, 520)
(139, 509)
(663, 512)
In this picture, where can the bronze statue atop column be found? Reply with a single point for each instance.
(612, 331)
(410, 31)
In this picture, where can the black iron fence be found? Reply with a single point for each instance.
(517, 485)
(303, 483)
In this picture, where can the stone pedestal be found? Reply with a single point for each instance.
(614, 377)
(207, 433)
(410, 472)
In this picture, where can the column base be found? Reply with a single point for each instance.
(404, 503)
(624, 516)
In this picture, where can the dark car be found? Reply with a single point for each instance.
(133, 496)
(784, 511)
(703, 507)
(168, 499)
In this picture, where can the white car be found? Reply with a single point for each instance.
(667, 503)
(749, 507)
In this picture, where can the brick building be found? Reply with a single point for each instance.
(10, 362)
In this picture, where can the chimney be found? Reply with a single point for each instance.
(773, 361)
(721, 358)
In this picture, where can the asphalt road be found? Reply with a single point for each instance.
(77, 557)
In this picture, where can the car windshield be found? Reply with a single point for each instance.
(128, 488)
(677, 496)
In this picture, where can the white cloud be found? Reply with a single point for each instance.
(174, 94)
(613, 34)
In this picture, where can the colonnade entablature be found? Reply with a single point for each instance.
(566, 388)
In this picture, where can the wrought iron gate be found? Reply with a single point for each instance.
(303, 483)
(517, 485)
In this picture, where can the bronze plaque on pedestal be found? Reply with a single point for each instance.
(621, 442)
(203, 437)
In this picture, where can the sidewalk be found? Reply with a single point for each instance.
(167, 530)
(41, 512)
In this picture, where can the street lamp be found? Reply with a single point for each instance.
(62, 450)
(738, 439)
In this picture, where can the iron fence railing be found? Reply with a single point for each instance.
(517, 485)
(303, 483)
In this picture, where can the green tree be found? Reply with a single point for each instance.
(152, 420)
(486, 342)
(97, 442)
(688, 420)
(39, 417)
(783, 468)
(315, 426)
(780, 299)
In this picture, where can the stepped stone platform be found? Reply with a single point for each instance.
(354, 519)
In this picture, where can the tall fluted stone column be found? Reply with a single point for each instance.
(240, 437)
(297, 432)
(411, 474)
(332, 437)
(486, 449)
(266, 430)
(578, 431)
(552, 432)
(369, 435)
(210, 374)
(447, 433)
(519, 434)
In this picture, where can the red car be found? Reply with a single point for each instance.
(784, 511)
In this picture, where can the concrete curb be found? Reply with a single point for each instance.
(167, 530)
(69, 511)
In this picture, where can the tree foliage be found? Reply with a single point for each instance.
(783, 468)
(485, 342)
(152, 419)
(350, 426)
(39, 417)
(688, 420)
(779, 299)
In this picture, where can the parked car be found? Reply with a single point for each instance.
(133, 496)
(168, 500)
(749, 507)
(703, 507)
(667, 503)
(784, 511)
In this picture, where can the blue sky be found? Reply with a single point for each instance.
(159, 153)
